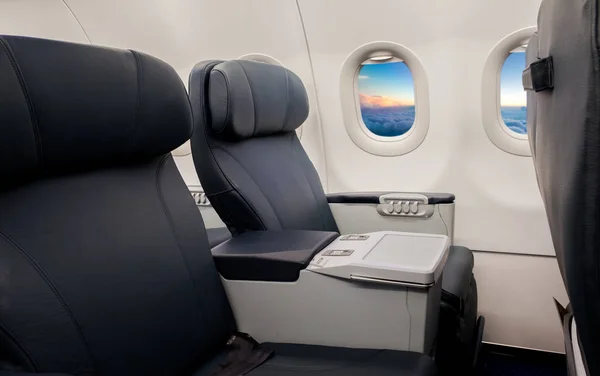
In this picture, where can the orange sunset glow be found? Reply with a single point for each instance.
(377, 101)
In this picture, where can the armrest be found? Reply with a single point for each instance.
(269, 255)
(376, 197)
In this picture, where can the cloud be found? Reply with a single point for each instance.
(515, 118)
(377, 101)
(363, 77)
(389, 121)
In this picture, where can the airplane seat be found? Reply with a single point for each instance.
(217, 235)
(563, 97)
(257, 175)
(105, 267)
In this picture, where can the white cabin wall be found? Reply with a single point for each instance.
(498, 206)
(40, 18)
(516, 297)
(185, 32)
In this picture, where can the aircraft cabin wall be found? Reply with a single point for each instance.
(446, 45)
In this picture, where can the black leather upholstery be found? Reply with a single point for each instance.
(217, 235)
(251, 99)
(260, 183)
(457, 283)
(270, 255)
(64, 116)
(105, 267)
(12, 373)
(102, 261)
(101, 269)
(564, 133)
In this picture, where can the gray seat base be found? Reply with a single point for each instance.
(298, 360)
(457, 273)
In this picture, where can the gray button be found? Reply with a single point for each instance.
(414, 207)
(354, 237)
(338, 252)
(390, 207)
(405, 207)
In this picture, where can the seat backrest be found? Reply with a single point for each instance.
(105, 267)
(564, 133)
(249, 160)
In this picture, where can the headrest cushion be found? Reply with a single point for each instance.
(249, 99)
(68, 107)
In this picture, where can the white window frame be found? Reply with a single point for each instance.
(497, 131)
(350, 101)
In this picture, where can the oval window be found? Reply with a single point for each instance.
(503, 100)
(386, 97)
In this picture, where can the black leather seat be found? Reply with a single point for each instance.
(563, 120)
(105, 267)
(217, 235)
(250, 162)
(258, 177)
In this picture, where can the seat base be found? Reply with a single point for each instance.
(298, 360)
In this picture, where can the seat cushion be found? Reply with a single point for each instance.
(217, 235)
(458, 273)
(297, 360)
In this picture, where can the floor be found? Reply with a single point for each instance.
(503, 361)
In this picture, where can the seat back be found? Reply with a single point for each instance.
(250, 162)
(564, 133)
(105, 267)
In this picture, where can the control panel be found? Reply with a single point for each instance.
(388, 257)
(200, 198)
(405, 205)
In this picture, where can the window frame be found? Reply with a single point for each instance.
(349, 96)
(497, 131)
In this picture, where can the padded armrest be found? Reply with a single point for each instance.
(458, 275)
(373, 197)
(269, 255)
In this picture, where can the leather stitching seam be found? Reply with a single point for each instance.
(54, 289)
(32, 116)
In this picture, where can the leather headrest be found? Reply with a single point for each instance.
(68, 107)
(250, 99)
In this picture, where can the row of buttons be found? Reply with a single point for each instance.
(200, 198)
(402, 207)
